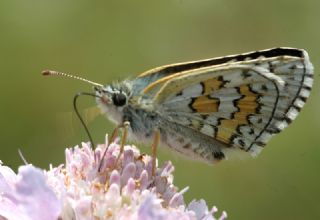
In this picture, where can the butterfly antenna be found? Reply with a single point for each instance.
(56, 73)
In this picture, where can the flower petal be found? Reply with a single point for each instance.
(34, 196)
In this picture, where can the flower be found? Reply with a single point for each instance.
(26, 195)
(122, 188)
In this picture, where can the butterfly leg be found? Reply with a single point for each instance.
(125, 127)
(113, 136)
(155, 144)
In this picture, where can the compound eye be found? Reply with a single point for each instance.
(119, 99)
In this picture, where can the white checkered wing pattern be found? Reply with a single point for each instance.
(240, 100)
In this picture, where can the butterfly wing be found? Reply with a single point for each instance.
(239, 100)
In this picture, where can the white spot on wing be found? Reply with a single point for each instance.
(299, 103)
(177, 105)
(305, 93)
(281, 125)
(292, 113)
(208, 130)
(225, 92)
(212, 120)
(234, 79)
(227, 107)
(308, 81)
(192, 91)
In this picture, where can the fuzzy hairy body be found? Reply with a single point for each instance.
(144, 123)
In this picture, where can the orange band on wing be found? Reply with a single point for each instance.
(226, 129)
(205, 104)
(212, 84)
(247, 105)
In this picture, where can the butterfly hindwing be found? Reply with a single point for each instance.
(239, 103)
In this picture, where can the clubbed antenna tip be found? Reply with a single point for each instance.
(56, 73)
(46, 72)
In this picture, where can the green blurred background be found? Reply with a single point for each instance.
(110, 40)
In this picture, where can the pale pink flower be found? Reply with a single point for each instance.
(26, 195)
(77, 190)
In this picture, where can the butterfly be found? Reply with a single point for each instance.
(210, 108)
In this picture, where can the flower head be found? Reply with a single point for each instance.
(120, 189)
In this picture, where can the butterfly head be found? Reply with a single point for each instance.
(112, 99)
